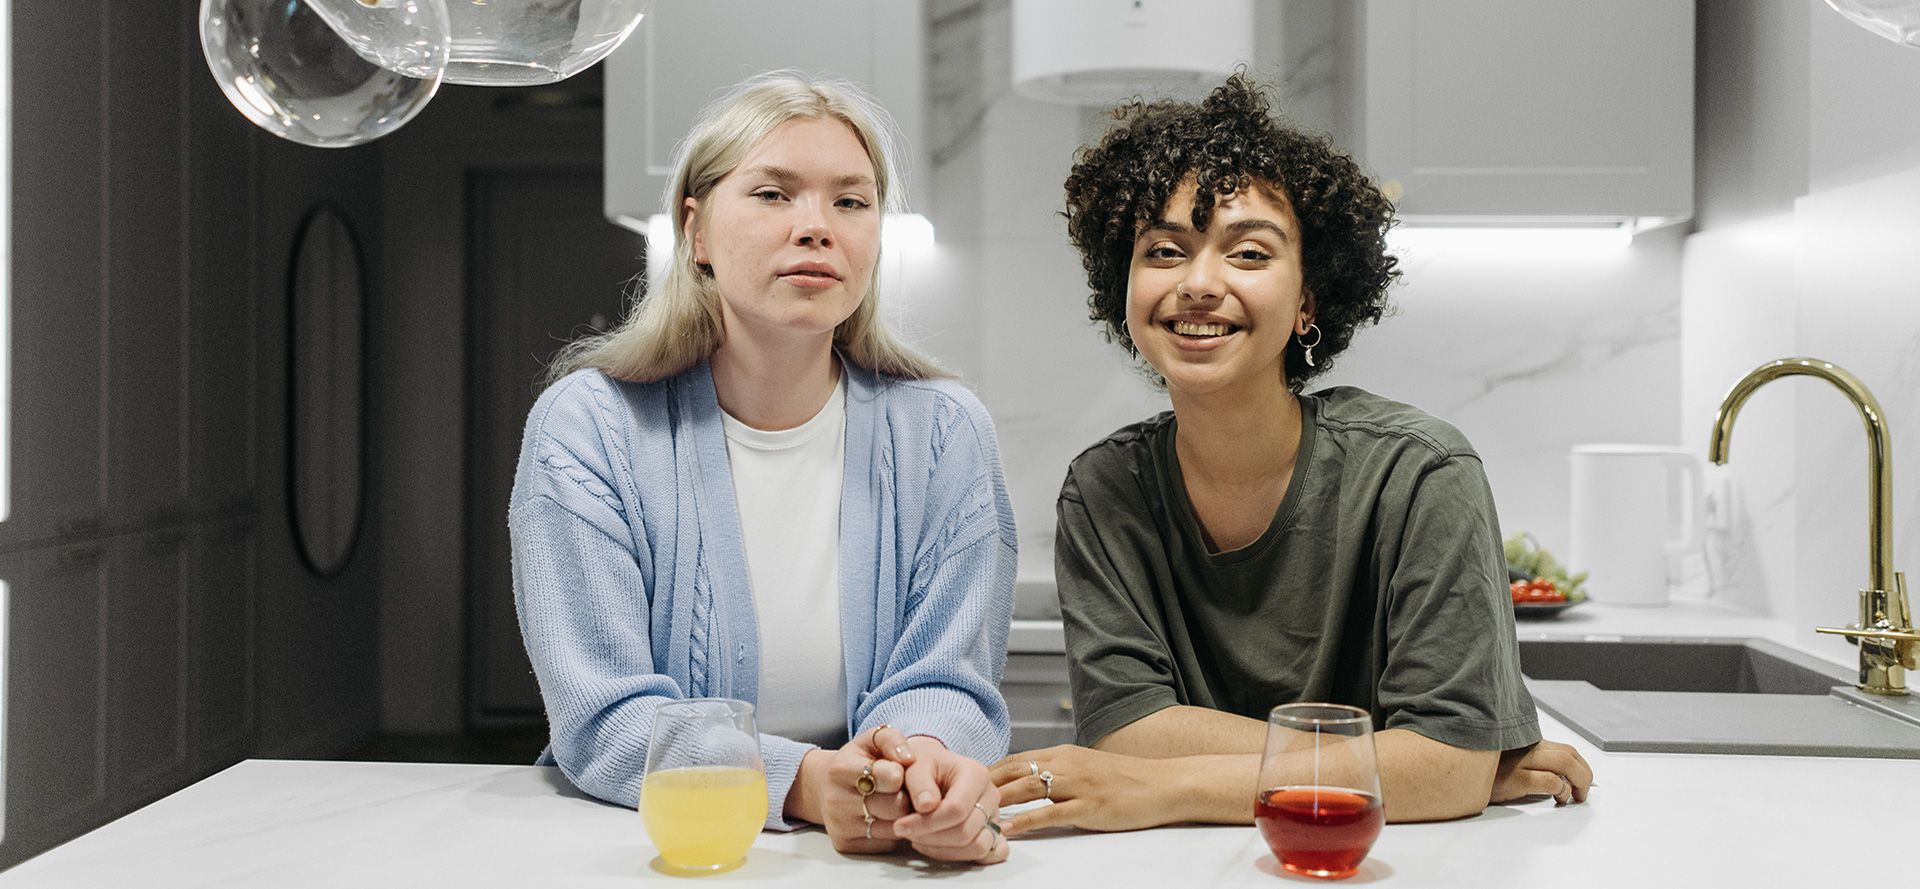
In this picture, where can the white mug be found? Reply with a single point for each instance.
(1635, 508)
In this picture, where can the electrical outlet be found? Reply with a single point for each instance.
(1719, 502)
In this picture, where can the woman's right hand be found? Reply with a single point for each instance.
(843, 810)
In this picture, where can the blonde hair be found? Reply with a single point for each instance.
(675, 325)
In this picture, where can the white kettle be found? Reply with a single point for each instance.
(1636, 510)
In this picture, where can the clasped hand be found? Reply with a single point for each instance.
(938, 801)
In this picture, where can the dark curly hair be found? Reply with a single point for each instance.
(1228, 142)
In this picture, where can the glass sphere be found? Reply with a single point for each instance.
(405, 36)
(1896, 20)
(526, 42)
(285, 67)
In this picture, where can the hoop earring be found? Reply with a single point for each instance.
(1301, 338)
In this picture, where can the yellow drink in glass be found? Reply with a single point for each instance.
(704, 818)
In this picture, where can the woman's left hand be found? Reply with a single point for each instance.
(1548, 768)
(1090, 789)
(956, 809)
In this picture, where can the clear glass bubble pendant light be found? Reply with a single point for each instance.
(311, 70)
(527, 42)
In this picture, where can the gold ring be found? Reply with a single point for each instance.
(864, 783)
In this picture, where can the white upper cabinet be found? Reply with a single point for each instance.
(1510, 110)
(687, 52)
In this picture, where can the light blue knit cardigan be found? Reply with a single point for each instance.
(631, 579)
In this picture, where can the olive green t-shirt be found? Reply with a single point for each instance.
(1380, 583)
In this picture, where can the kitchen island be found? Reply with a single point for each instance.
(1653, 820)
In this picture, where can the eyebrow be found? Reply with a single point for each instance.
(788, 174)
(1238, 228)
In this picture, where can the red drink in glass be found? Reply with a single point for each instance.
(1319, 831)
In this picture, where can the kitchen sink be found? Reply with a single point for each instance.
(1718, 666)
(1704, 695)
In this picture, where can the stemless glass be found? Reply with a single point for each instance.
(1318, 803)
(704, 797)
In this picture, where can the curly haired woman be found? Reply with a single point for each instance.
(1259, 544)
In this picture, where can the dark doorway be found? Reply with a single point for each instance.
(544, 268)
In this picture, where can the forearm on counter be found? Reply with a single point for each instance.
(1425, 780)
(1420, 779)
(1181, 731)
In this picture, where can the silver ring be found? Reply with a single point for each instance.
(1567, 786)
(983, 812)
(1046, 777)
(1033, 768)
(996, 834)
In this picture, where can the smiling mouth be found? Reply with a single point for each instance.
(1199, 330)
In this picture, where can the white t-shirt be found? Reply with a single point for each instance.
(787, 487)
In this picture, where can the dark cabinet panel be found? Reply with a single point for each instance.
(221, 664)
(155, 606)
(56, 711)
(222, 290)
(146, 661)
(143, 325)
(57, 296)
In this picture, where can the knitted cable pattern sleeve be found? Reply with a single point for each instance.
(942, 677)
(582, 610)
(583, 592)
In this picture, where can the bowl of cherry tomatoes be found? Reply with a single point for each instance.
(1540, 585)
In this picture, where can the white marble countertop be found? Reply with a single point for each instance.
(1682, 617)
(1653, 820)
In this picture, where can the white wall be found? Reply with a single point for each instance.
(1530, 354)
(1810, 259)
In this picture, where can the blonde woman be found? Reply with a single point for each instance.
(751, 489)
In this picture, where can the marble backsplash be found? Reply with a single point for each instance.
(1857, 307)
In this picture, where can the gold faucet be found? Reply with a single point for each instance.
(1889, 645)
